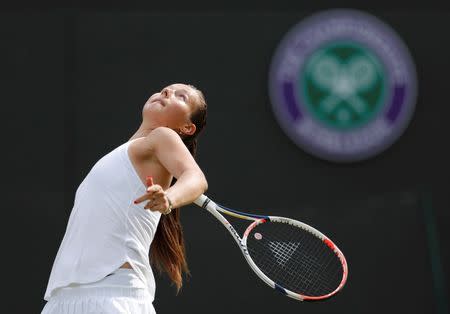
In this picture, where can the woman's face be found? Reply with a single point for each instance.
(171, 107)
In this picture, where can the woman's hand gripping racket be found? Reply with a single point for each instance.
(288, 255)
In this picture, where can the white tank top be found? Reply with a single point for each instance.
(105, 228)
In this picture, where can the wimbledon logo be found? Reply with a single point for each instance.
(342, 85)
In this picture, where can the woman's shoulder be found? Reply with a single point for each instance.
(162, 136)
(162, 131)
(158, 136)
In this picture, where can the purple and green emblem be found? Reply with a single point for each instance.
(343, 85)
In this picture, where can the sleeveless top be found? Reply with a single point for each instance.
(105, 228)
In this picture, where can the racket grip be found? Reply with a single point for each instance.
(201, 200)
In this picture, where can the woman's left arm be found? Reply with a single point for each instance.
(172, 153)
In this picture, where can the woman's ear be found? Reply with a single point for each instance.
(189, 129)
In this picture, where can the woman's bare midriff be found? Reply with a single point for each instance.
(126, 265)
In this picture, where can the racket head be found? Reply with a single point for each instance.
(295, 259)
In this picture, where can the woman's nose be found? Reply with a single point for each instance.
(167, 92)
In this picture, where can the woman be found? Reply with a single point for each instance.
(103, 264)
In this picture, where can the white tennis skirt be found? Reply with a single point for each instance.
(120, 292)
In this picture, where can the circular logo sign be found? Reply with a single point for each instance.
(342, 85)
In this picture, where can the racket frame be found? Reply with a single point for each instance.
(216, 210)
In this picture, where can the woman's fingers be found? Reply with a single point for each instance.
(149, 181)
(150, 204)
(156, 205)
(155, 196)
(154, 192)
(161, 207)
(141, 199)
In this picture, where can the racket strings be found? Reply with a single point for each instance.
(305, 263)
(295, 259)
(310, 263)
(288, 277)
(318, 259)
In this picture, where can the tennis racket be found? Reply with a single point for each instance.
(288, 255)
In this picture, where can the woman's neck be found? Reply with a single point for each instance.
(143, 131)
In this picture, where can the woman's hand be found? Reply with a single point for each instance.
(157, 199)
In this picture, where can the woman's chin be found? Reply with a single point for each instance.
(152, 107)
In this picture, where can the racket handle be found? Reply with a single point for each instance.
(201, 200)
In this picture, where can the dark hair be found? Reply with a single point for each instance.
(168, 251)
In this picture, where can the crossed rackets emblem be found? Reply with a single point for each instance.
(342, 84)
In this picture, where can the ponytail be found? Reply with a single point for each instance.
(168, 252)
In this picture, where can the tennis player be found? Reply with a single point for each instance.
(103, 262)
